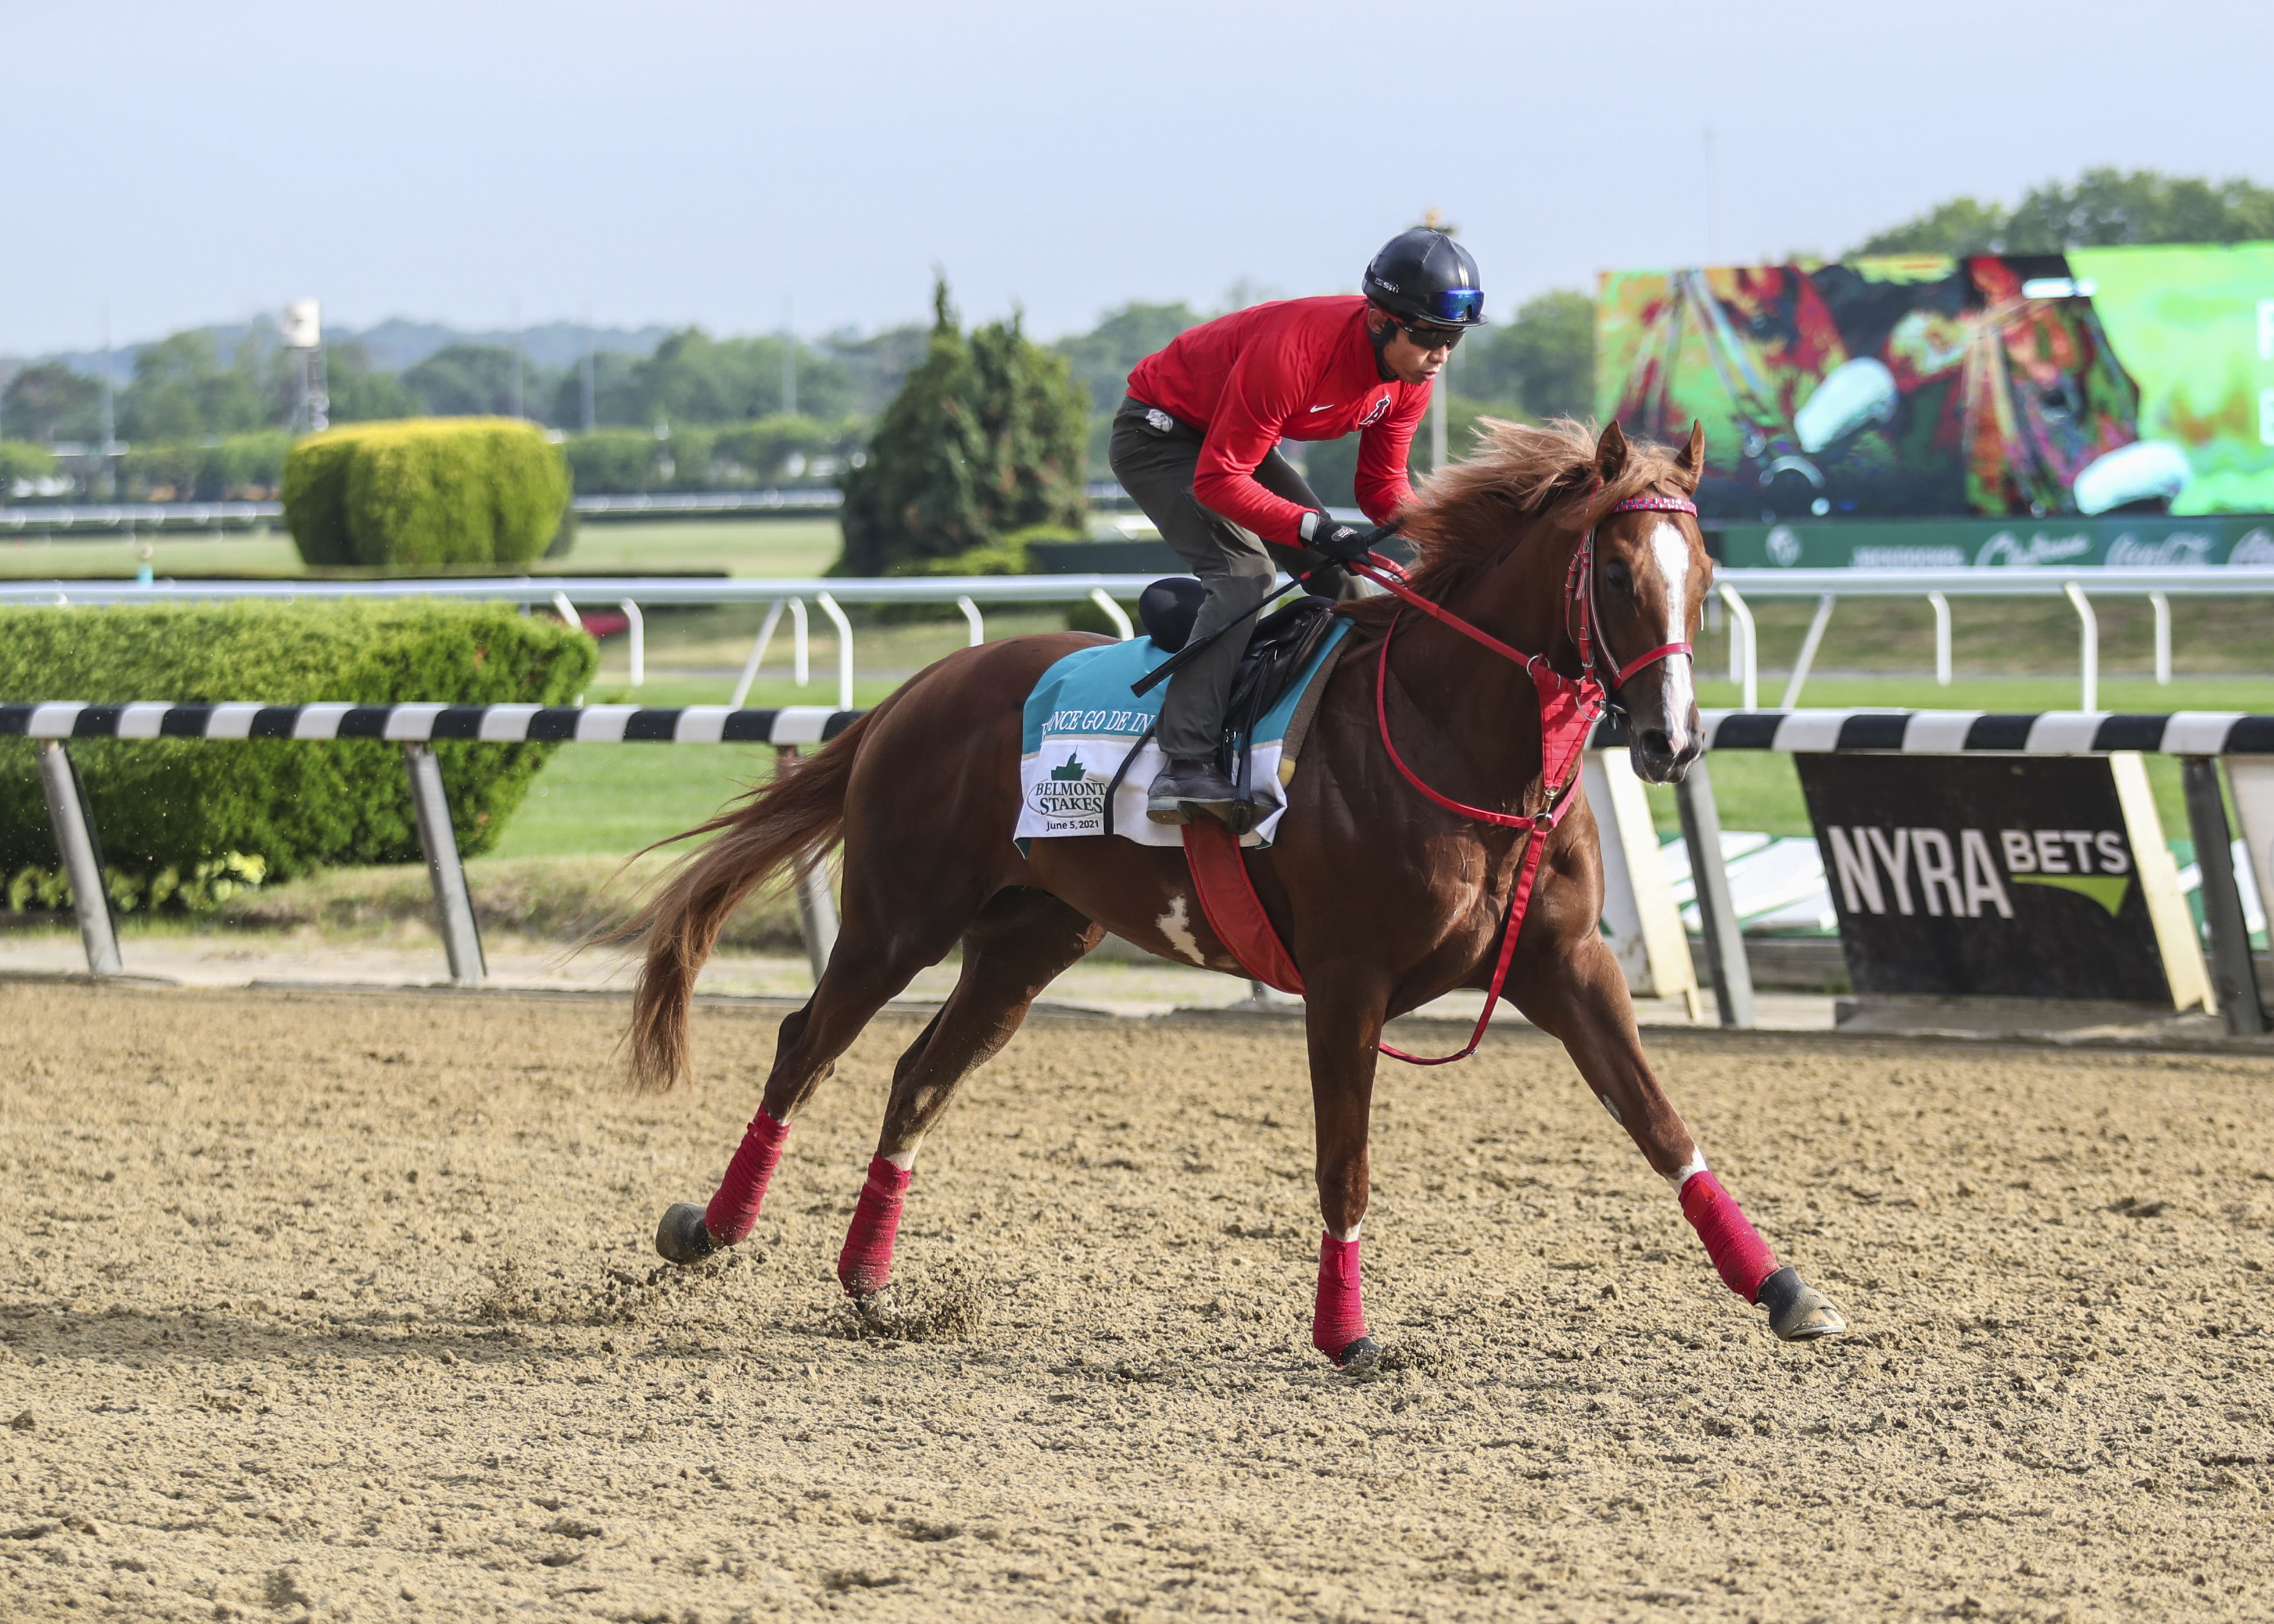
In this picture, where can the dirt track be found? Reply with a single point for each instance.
(342, 1307)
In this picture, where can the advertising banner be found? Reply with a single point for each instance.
(2157, 542)
(2008, 876)
(2118, 380)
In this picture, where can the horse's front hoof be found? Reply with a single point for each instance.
(682, 1237)
(1798, 1312)
(1362, 1358)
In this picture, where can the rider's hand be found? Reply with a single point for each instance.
(1329, 537)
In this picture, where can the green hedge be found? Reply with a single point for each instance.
(242, 467)
(188, 816)
(425, 492)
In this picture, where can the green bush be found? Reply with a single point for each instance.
(196, 817)
(241, 468)
(615, 462)
(425, 492)
(21, 459)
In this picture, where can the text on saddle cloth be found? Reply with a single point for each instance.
(1081, 722)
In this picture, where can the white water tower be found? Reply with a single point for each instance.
(304, 336)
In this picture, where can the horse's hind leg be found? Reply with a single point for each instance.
(1579, 995)
(1017, 946)
(873, 960)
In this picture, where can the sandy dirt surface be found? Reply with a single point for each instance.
(328, 1305)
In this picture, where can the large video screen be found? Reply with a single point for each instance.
(2112, 381)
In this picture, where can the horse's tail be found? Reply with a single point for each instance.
(792, 821)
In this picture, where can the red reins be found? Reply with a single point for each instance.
(1568, 708)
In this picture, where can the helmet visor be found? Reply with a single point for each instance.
(1456, 306)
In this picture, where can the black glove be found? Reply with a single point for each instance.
(1329, 537)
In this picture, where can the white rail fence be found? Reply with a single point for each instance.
(1738, 589)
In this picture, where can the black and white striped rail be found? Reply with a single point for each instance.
(1960, 733)
(425, 724)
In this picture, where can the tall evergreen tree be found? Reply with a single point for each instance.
(984, 438)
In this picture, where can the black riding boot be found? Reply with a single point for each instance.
(1189, 784)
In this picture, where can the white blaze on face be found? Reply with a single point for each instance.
(1177, 927)
(1669, 552)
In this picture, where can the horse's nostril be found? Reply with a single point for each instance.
(1654, 742)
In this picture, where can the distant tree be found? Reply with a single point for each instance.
(47, 401)
(1541, 361)
(474, 380)
(182, 392)
(877, 365)
(1102, 358)
(983, 439)
(2105, 208)
(358, 393)
(1960, 227)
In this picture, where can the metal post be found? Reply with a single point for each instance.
(971, 619)
(758, 653)
(1113, 613)
(2089, 646)
(453, 909)
(74, 830)
(817, 909)
(800, 670)
(2163, 608)
(639, 640)
(844, 649)
(1808, 647)
(1725, 940)
(2232, 979)
(1744, 648)
(1941, 638)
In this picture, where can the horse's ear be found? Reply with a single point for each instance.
(1610, 452)
(1690, 465)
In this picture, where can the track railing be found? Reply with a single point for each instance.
(2200, 739)
(1738, 589)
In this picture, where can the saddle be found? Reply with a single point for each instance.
(1278, 649)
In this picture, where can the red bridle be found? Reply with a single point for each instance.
(1568, 708)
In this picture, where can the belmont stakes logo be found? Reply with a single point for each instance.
(1071, 791)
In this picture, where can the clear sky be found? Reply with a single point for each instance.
(705, 162)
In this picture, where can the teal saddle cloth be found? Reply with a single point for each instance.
(1082, 722)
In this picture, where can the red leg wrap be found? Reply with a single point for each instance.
(866, 1263)
(1736, 1248)
(733, 1211)
(1338, 1317)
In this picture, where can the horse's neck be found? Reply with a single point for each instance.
(1478, 699)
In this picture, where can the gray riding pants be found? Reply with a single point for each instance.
(1156, 468)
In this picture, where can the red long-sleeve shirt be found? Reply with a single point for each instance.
(1296, 369)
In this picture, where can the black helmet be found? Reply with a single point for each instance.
(1425, 275)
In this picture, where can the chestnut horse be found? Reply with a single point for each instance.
(1385, 897)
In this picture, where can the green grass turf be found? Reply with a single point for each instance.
(792, 547)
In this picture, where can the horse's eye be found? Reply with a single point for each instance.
(1621, 577)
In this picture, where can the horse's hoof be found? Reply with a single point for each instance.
(1362, 1358)
(874, 1307)
(1798, 1312)
(682, 1237)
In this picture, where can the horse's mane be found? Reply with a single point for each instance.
(1467, 516)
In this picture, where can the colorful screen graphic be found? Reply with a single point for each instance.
(2119, 380)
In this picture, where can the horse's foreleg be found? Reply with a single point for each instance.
(1020, 945)
(1343, 1026)
(1581, 997)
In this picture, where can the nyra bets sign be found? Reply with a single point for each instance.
(2000, 875)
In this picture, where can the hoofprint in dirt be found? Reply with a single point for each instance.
(321, 1304)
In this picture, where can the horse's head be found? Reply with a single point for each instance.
(1652, 575)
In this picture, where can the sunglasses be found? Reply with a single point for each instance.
(1429, 338)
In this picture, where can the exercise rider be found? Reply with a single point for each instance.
(1195, 444)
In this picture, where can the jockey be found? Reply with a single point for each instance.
(1196, 443)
